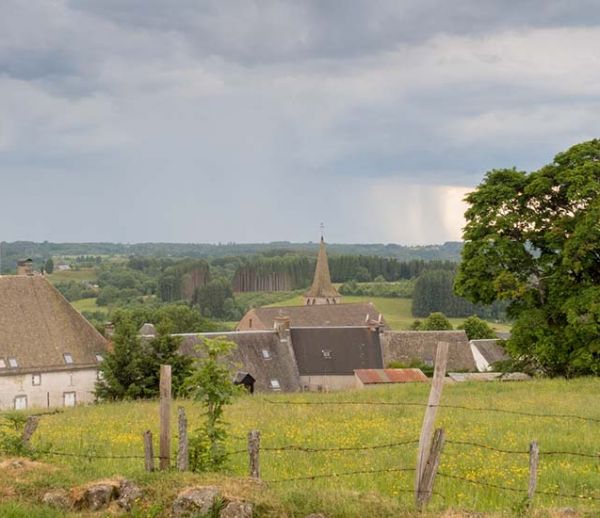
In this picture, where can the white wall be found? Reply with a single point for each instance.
(328, 382)
(51, 391)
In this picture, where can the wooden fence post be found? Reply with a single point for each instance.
(182, 451)
(534, 456)
(437, 384)
(430, 469)
(148, 451)
(30, 427)
(254, 452)
(165, 417)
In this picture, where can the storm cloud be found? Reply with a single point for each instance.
(146, 120)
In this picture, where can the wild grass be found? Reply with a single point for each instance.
(88, 305)
(116, 429)
(83, 274)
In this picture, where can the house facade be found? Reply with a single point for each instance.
(49, 353)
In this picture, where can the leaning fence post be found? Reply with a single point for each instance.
(148, 451)
(182, 451)
(441, 358)
(165, 417)
(430, 470)
(534, 456)
(30, 427)
(253, 452)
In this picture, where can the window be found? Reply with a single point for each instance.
(275, 384)
(250, 323)
(2, 363)
(68, 358)
(36, 379)
(13, 363)
(69, 399)
(99, 358)
(20, 402)
(326, 354)
(266, 354)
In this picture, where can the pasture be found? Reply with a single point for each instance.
(370, 437)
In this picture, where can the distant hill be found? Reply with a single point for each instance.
(449, 251)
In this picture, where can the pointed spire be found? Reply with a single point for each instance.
(322, 291)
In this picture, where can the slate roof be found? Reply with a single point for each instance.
(491, 350)
(38, 326)
(404, 346)
(321, 286)
(376, 376)
(249, 357)
(336, 350)
(324, 315)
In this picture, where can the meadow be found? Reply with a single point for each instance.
(332, 423)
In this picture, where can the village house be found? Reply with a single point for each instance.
(49, 353)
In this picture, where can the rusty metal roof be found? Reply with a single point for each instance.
(371, 376)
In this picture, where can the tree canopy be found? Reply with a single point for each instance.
(533, 239)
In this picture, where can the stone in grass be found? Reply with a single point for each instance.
(57, 498)
(237, 509)
(315, 515)
(97, 496)
(195, 501)
(128, 494)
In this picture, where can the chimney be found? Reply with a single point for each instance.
(25, 267)
(282, 327)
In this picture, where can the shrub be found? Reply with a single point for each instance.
(477, 328)
(436, 322)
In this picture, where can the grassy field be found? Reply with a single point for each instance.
(396, 311)
(85, 274)
(116, 429)
(88, 305)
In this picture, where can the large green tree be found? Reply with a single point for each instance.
(533, 239)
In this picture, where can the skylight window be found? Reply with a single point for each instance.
(275, 384)
(326, 354)
(2, 363)
(99, 358)
(12, 362)
(266, 354)
(68, 358)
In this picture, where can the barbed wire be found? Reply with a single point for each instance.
(343, 474)
(310, 449)
(457, 407)
(522, 452)
(516, 489)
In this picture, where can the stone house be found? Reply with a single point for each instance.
(49, 353)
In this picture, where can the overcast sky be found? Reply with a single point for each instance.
(207, 121)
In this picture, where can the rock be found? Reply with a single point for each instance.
(57, 498)
(128, 494)
(315, 515)
(195, 500)
(235, 509)
(97, 496)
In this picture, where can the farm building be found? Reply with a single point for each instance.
(361, 314)
(486, 353)
(372, 377)
(49, 353)
(420, 346)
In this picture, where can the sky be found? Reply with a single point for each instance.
(255, 121)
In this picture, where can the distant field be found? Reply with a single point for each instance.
(85, 274)
(396, 311)
(116, 429)
(88, 305)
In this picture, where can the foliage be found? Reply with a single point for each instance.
(434, 322)
(477, 329)
(132, 369)
(49, 265)
(215, 300)
(414, 363)
(176, 318)
(12, 425)
(211, 385)
(403, 289)
(75, 290)
(533, 240)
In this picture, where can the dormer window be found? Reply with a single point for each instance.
(12, 362)
(99, 358)
(326, 354)
(2, 363)
(68, 358)
(266, 354)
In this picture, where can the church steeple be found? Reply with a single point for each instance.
(322, 291)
